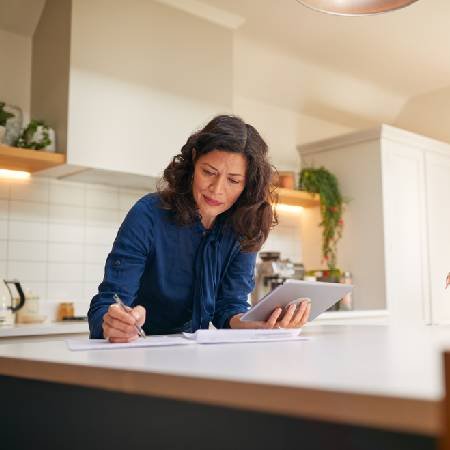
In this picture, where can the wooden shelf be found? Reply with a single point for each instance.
(297, 198)
(28, 160)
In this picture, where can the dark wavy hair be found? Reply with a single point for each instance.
(251, 216)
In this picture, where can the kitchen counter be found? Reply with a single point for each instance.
(367, 317)
(382, 376)
(78, 327)
(41, 329)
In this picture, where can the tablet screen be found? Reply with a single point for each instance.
(322, 295)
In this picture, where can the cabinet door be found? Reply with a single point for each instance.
(405, 231)
(438, 201)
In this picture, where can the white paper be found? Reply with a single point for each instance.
(103, 344)
(244, 335)
(199, 337)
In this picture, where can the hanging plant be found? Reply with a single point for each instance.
(35, 135)
(323, 182)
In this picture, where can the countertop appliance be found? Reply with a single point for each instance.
(271, 272)
(10, 302)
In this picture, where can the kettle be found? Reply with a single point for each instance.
(8, 301)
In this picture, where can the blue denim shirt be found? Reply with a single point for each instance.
(184, 276)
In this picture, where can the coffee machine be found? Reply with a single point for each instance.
(271, 272)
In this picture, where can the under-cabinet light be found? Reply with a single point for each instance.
(14, 174)
(288, 208)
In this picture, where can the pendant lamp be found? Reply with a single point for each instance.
(355, 7)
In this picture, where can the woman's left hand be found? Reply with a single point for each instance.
(295, 316)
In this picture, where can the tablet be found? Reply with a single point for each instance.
(322, 296)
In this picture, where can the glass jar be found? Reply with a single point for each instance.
(65, 309)
(345, 304)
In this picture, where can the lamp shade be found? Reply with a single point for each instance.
(355, 7)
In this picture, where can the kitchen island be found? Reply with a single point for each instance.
(348, 386)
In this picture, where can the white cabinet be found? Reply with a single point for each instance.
(437, 177)
(404, 216)
(396, 239)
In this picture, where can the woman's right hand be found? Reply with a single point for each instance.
(119, 326)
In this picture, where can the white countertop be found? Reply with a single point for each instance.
(75, 327)
(379, 375)
(46, 328)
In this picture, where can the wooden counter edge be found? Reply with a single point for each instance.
(376, 411)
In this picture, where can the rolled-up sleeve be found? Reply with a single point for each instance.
(125, 264)
(237, 283)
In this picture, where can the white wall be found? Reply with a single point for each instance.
(283, 129)
(272, 75)
(361, 249)
(15, 71)
(286, 236)
(427, 114)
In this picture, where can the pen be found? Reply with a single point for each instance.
(118, 300)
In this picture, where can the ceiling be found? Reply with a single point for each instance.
(355, 71)
(20, 16)
(405, 51)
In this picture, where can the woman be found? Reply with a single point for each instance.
(185, 256)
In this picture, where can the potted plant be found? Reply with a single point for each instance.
(35, 136)
(4, 116)
(321, 181)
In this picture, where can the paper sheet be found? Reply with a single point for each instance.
(103, 344)
(199, 337)
(253, 335)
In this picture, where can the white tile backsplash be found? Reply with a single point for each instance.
(4, 205)
(27, 231)
(122, 215)
(102, 197)
(36, 190)
(65, 233)
(62, 272)
(64, 193)
(128, 198)
(90, 289)
(101, 235)
(285, 237)
(66, 214)
(4, 189)
(93, 272)
(38, 288)
(55, 236)
(100, 216)
(64, 292)
(3, 229)
(64, 252)
(82, 307)
(27, 251)
(3, 268)
(31, 211)
(96, 253)
(3, 250)
(27, 271)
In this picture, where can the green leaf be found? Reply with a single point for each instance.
(321, 181)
